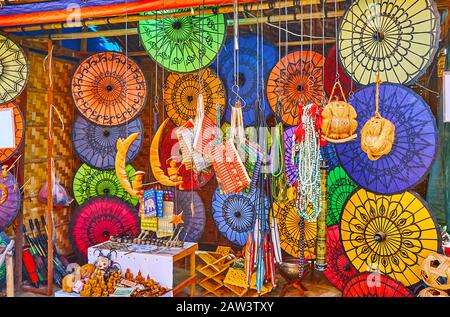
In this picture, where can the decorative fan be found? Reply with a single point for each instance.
(328, 153)
(9, 200)
(96, 145)
(194, 225)
(392, 234)
(288, 221)
(414, 147)
(339, 270)
(394, 37)
(374, 285)
(235, 215)
(99, 218)
(185, 44)
(329, 76)
(109, 89)
(4, 241)
(296, 78)
(13, 70)
(181, 92)
(248, 64)
(171, 152)
(19, 125)
(90, 182)
(291, 169)
(340, 187)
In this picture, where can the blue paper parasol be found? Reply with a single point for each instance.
(96, 145)
(328, 153)
(193, 225)
(414, 147)
(248, 64)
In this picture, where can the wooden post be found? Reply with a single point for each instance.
(9, 275)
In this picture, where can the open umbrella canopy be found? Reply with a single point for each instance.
(374, 285)
(395, 37)
(414, 147)
(9, 200)
(19, 126)
(392, 234)
(329, 155)
(109, 89)
(194, 225)
(185, 44)
(332, 70)
(340, 187)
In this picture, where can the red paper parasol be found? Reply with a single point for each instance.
(374, 285)
(99, 218)
(329, 73)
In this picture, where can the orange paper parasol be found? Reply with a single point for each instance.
(6, 154)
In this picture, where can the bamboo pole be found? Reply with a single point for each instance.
(9, 275)
(242, 22)
(137, 17)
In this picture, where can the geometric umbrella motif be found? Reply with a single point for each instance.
(96, 145)
(339, 270)
(289, 229)
(329, 155)
(109, 89)
(296, 78)
(9, 200)
(414, 147)
(340, 187)
(193, 225)
(19, 125)
(183, 44)
(98, 219)
(290, 168)
(398, 38)
(13, 70)
(391, 234)
(90, 182)
(234, 215)
(181, 93)
(250, 59)
(374, 285)
(329, 75)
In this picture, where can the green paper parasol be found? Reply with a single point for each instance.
(340, 186)
(90, 182)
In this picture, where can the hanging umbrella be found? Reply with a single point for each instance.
(19, 123)
(340, 187)
(396, 37)
(248, 65)
(374, 285)
(13, 70)
(181, 92)
(329, 76)
(99, 218)
(97, 145)
(339, 270)
(4, 242)
(291, 169)
(392, 234)
(235, 214)
(184, 44)
(171, 152)
(288, 221)
(109, 89)
(328, 153)
(296, 78)
(193, 225)
(90, 182)
(414, 147)
(9, 200)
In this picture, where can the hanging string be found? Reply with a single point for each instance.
(302, 31)
(353, 53)
(323, 54)
(336, 36)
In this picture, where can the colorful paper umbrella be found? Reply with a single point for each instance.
(235, 215)
(250, 58)
(4, 241)
(296, 78)
(340, 187)
(185, 44)
(328, 153)
(90, 182)
(415, 143)
(291, 169)
(181, 92)
(394, 37)
(288, 221)
(109, 89)
(374, 285)
(331, 67)
(97, 145)
(171, 152)
(13, 70)
(19, 125)
(391, 234)
(339, 270)
(99, 218)
(194, 225)
(9, 200)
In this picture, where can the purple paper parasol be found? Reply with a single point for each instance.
(291, 170)
(193, 225)
(9, 200)
(414, 147)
